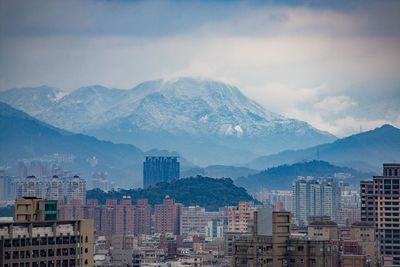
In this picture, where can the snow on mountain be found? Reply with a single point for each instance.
(198, 117)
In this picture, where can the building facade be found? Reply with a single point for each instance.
(380, 204)
(51, 243)
(159, 169)
(311, 198)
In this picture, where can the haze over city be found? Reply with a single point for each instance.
(199, 133)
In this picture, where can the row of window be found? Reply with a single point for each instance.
(58, 263)
(39, 253)
(42, 241)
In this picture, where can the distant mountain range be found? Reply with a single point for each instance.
(218, 171)
(208, 122)
(281, 177)
(23, 137)
(365, 151)
(195, 191)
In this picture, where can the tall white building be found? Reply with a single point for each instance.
(30, 187)
(311, 198)
(71, 189)
(75, 190)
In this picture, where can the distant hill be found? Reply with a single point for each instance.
(281, 177)
(208, 122)
(218, 171)
(23, 137)
(365, 151)
(202, 191)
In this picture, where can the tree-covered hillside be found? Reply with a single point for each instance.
(281, 177)
(202, 191)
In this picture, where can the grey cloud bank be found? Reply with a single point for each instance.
(336, 67)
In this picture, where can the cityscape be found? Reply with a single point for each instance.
(199, 133)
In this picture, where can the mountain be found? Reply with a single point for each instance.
(218, 171)
(23, 137)
(207, 121)
(281, 177)
(365, 151)
(202, 191)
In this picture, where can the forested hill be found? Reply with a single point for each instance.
(281, 177)
(206, 192)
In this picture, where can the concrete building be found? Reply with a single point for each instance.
(124, 217)
(167, 216)
(194, 220)
(159, 169)
(311, 198)
(30, 209)
(239, 217)
(215, 229)
(282, 249)
(380, 204)
(69, 189)
(51, 243)
(361, 249)
(142, 217)
(327, 230)
(76, 189)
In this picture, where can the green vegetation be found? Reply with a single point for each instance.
(281, 177)
(202, 191)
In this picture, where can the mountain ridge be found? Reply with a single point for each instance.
(365, 151)
(208, 122)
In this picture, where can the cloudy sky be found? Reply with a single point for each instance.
(334, 66)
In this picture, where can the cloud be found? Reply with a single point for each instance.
(335, 104)
(318, 64)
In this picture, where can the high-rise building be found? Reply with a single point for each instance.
(311, 198)
(76, 189)
(55, 189)
(30, 187)
(69, 189)
(167, 216)
(142, 217)
(239, 217)
(159, 169)
(380, 204)
(124, 217)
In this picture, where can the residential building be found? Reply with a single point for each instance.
(167, 216)
(142, 217)
(76, 189)
(240, 217)
(311, 198)
(159, 169)
(194, 220)
(124, 217)
(380, 204)
(280, 248)
(46, 243)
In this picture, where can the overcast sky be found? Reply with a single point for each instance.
(334, 66)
